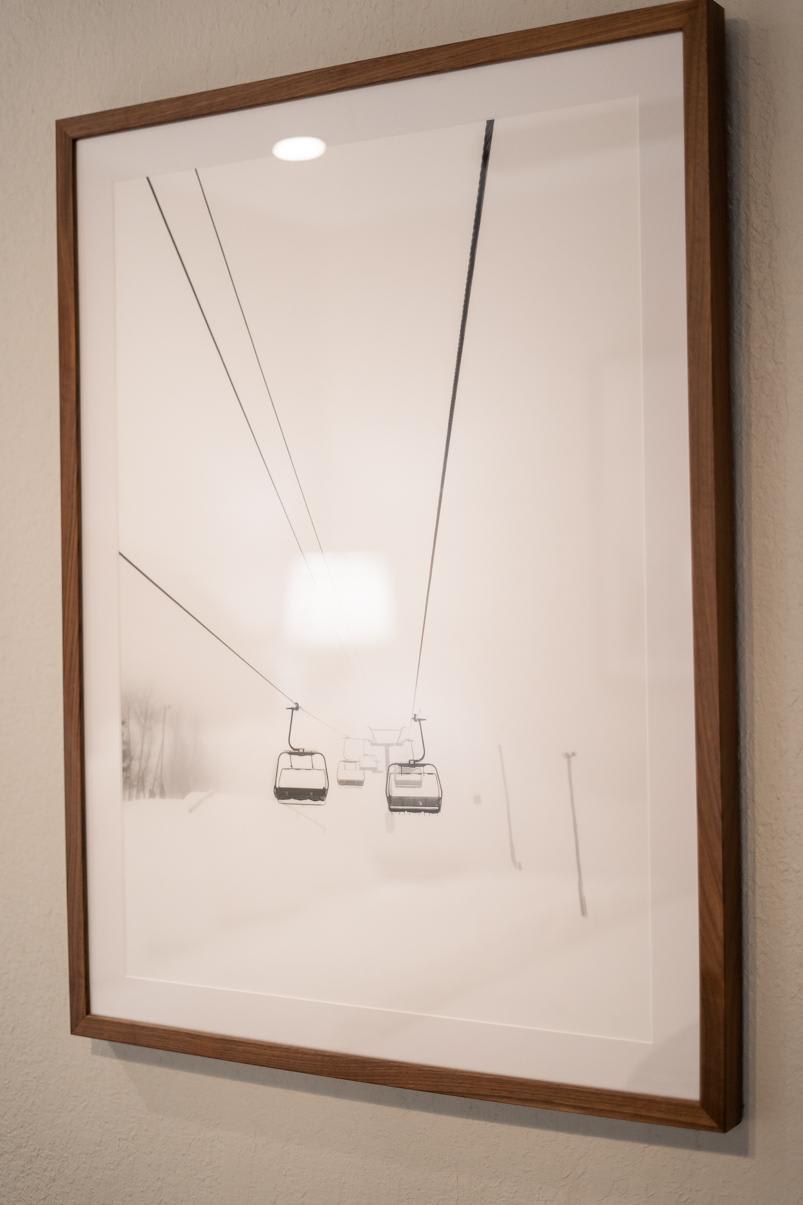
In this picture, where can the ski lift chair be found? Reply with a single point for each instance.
(414, 785)
(350, 773)
(369, 762)
(301, 774)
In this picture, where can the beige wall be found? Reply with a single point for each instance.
(91, 1123)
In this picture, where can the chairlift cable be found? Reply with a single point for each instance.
(228, 373)
(261, 368)
(472, 256)
(258, 359)
(138, 569)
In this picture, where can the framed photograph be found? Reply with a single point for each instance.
(400, 703)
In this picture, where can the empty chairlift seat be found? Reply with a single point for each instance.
(350, 773)
(301, 774)
(350, 770)
(301, 777)
(413, 788)
(370, 762)
(414, 785)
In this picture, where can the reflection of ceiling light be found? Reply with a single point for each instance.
(297, 149)
(345, 599)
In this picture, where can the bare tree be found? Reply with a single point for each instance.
(161, 749)
(126, 750)
(139, 724)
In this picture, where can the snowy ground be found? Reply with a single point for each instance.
(334, 903)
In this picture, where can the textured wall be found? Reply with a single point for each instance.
(89, 1123)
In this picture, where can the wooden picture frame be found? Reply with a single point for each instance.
(701, 24)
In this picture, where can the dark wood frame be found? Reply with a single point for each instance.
(701, 23)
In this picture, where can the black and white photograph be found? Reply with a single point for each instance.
(387, 556)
